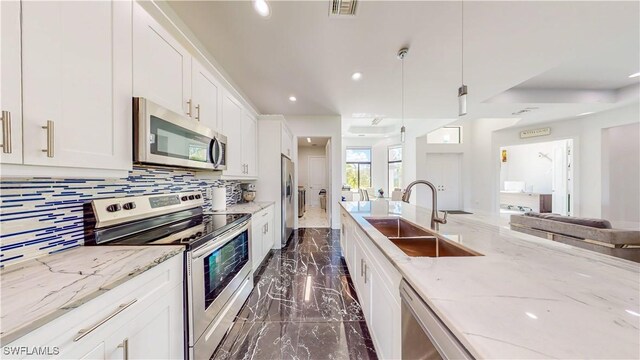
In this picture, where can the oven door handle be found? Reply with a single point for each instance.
(224, 238)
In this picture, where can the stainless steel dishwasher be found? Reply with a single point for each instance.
(424, 336)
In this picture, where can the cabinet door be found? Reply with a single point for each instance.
(156, 333)
(287, 141)
(76, 71)
(161, 66)
(257, 234)
(10, 83)
(385, 316)
(268, 239)
(206, 95)
(249, 144)
(232, 129)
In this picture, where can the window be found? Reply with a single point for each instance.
(358, 168)
(395, 168)
(445, 135)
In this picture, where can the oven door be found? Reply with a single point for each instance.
(163, 137)
(217, 270)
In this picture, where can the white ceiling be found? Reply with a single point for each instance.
(315, 142)
(509, 45)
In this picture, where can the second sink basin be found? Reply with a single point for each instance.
(416, 241)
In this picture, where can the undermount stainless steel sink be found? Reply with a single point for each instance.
(416, 241)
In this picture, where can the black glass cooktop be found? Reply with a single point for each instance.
(177, 229)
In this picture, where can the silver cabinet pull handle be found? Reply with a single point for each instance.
(189, 107)
(84, 332)
(125, 349)
(365, 272)
(198, 112)
(6, 132)
(361, 266)
(50, 138)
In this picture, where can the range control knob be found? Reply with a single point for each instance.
(114, 208)
(198, 196)
(129, 206)
(191, 197)
(184, 198)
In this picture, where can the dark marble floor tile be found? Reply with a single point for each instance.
(334, 340)
(259, 340)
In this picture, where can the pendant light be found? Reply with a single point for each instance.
(401, 54)
(462, 90)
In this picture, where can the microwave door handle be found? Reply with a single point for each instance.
(215, 159)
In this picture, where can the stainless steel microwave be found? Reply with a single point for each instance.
(162, 137)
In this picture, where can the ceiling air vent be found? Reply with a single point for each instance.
(343, 8)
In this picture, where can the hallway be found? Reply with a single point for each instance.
(314, 217)
(303, 306)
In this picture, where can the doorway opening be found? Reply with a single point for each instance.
(537, 177)
(314, 177)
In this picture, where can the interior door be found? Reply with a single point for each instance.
(316, 180)
(559, 180)
(445, 174)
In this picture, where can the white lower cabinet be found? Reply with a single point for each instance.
(262, 235)
(142, 318)
(377, 284)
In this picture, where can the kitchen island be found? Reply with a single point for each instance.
(525, 297)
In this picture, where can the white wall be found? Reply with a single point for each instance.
(525, 164)
(321, 126)
(621, 175)
(586, 131)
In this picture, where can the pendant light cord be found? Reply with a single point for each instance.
(402, 90)
(462, 38)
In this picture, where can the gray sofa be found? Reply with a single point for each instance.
(591, 234)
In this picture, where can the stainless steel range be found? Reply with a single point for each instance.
(217, 257)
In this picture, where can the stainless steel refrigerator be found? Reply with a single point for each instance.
(287, 199)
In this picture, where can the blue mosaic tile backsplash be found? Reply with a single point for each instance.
(42, 216)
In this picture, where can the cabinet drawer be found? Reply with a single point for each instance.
(93, 321)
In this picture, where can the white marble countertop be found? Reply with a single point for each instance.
(246, 208)
(36, 291)
(527, 297)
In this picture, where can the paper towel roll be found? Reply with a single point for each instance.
(219, 201)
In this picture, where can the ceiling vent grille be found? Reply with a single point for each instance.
(343, 8)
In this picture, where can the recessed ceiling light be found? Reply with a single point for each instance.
(308, 140)
(356, 76)
(292, 98)
(634, 75)
(586, 113)
(262, 8)
(360, 134)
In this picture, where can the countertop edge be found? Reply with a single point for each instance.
(8, 338)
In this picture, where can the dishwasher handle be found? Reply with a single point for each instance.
(447, 345)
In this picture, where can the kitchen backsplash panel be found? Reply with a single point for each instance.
(41, 216)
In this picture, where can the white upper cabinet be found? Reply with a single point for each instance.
(232, 129)
(249, 144)
(287, 142)
(206, 95)
(10, 102)
(10, 90)
(161, 66)
(76, 81)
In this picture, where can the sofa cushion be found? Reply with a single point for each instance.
(594, 223)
